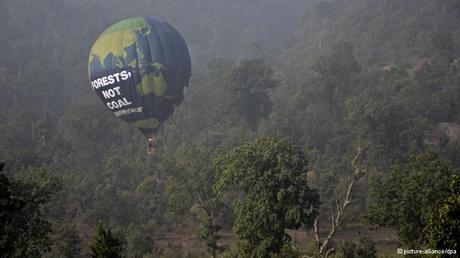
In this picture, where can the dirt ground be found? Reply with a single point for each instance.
(385, 239)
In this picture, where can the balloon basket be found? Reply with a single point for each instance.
(151, 146)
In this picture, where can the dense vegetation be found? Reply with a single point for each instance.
(274, 82)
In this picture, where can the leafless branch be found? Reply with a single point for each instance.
(329, 252)
(340, 209)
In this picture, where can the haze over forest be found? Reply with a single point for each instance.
(296, 110)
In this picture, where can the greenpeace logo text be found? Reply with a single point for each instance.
(110, 79)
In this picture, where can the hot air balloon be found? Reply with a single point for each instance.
(139, 68)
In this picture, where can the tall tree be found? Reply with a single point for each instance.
(104, 244)
(67, 243)
(335, 77)
(272, 177)
(24, 232)
(443, 229)
(248, 87)
(408, 194)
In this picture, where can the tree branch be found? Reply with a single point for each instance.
(329, 252)
(340, 209)
(316, 229)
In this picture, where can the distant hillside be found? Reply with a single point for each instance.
(381, 31)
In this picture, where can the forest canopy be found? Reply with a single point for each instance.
(314, 79)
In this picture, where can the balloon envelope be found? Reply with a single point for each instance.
(139, 68)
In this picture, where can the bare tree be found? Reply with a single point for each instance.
(337, 214)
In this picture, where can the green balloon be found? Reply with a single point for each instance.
(139, 68)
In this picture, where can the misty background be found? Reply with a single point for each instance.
(381, 74)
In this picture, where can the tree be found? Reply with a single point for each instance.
(443, 229)
(211, 207)
(363, 248)
(271, 175)
(408, 194)
(210, 236)
(341, 206)
(24, 232)
(387, 130)
(104, 244)
(140, 241)
(247, 86)
(195, 183)
(336, 76)
(67, 243)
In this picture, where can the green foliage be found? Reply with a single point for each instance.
(443, 227)
(329, 74)
(388, 130)
(288, 251)
(140, 241)
(104, 244)
(408, 194)
(272, 177)
(67, 243)
(336, 75)
(362, 248)
(209, 235)
(24, 231)
(247, 86)
(430, 91)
